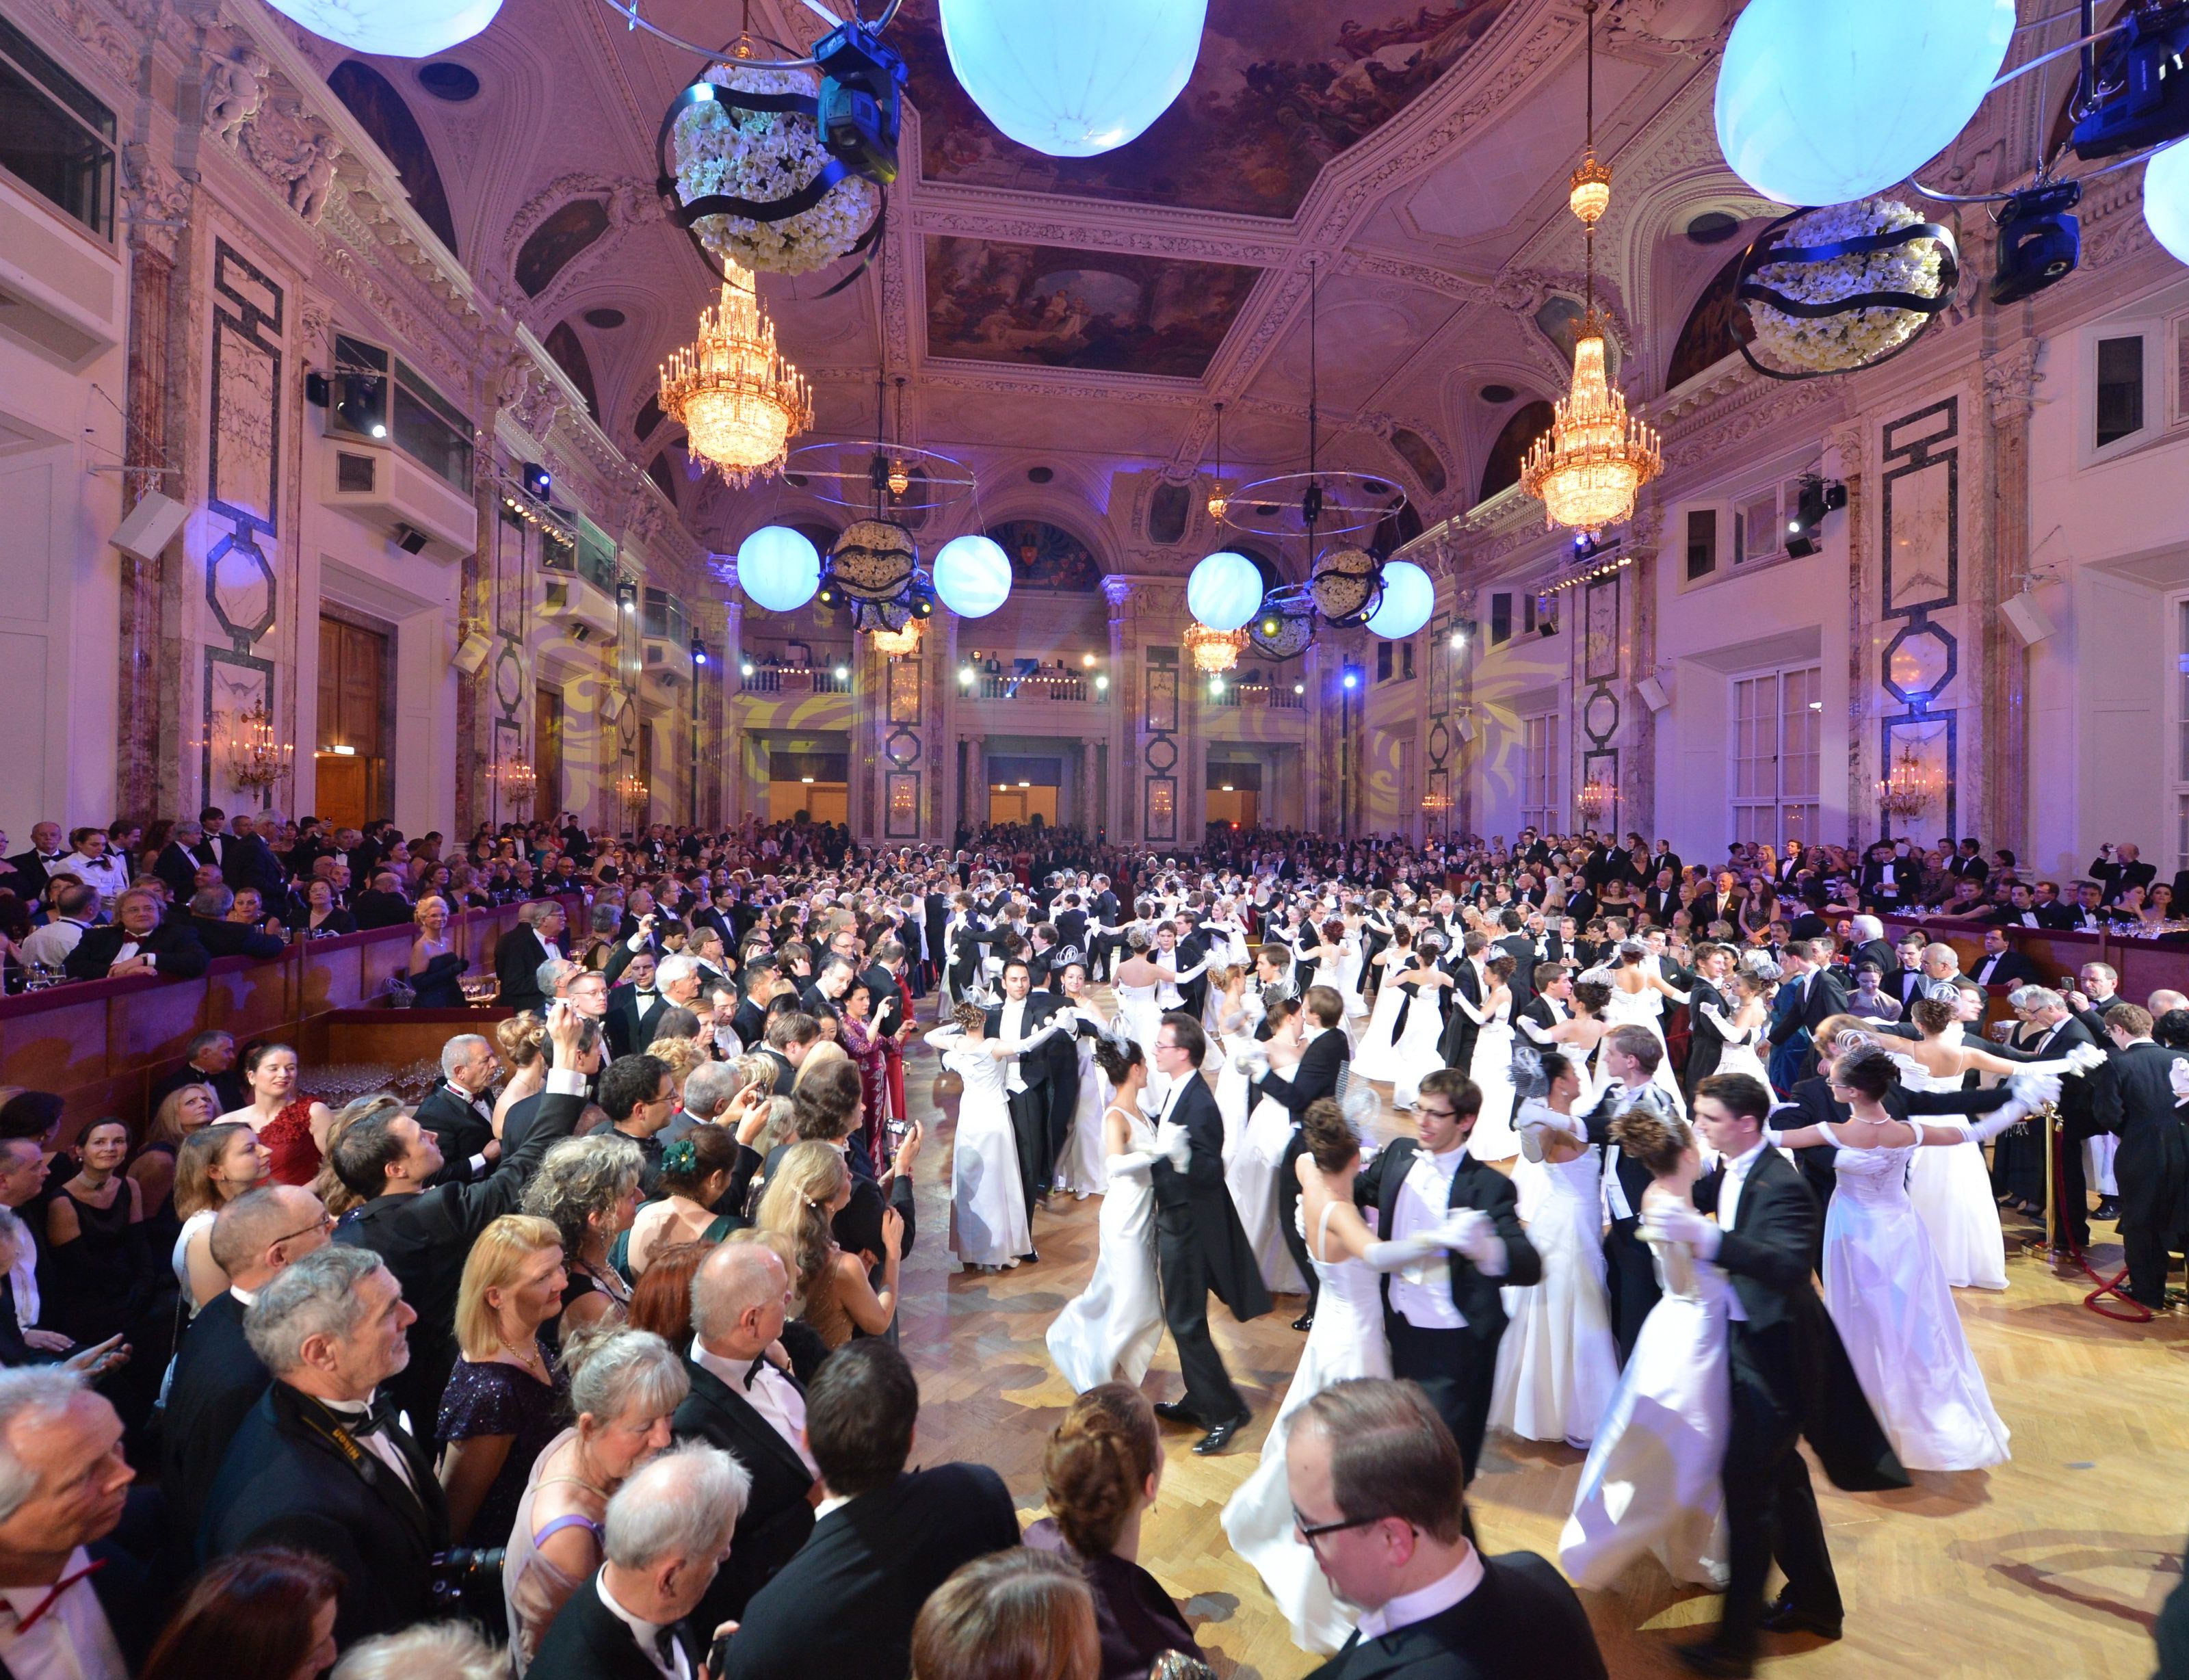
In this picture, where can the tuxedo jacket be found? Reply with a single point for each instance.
(216, 1381)
(1817, 996)
(127, 1597)
(1234, 1275)
(1523, 1619)
(1705, 1046)
(2134, 1098)
(291, 1477)
(1314, 1076)
(1036, 1068)
(223, 938)
(1461, 1029)
(2008, 968)
(1477, 1185)
(174, 944)
(776, 1517)
(462, 1130)
(843, 1607)
(588, 1641)
(2119, 877)
(1521, 947)
(177, 866)
(516, 959)
(630, 1019)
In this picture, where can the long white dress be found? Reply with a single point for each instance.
(1234, 1093)
(1885, 1292)
(1652, 1480)
(1109, 1333)
(1350, 973)
(1420, 1047)
(1140, 1014)
(1346, 1342)
(1950, 1187)
(1080, 1168)
(1251, 1166)
(1377, 1056)
(1741, 1055)
(1494, 1137)
(989, 1224)
(1556, 1364)
(1639, 1009)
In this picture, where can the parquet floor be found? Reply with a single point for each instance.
(2053, 1565)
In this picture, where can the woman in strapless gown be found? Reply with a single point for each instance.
(1635, 993)
(1080, 1170)
(1111, 1332)
(1139, 978)
(1420, 1047)
(1252, 1160)
(1493, 1138)
(1377, 1056)
(1742, 1031)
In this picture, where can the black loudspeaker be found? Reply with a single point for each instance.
(409, 541)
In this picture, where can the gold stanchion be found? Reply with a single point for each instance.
(2051, 1118)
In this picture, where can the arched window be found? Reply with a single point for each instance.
(558, 239)
(662, 472)
(1707, 338)
(570, 356)
(1046, 556)
(379, 112)
(1501, 471)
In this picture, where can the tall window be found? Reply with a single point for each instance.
(1540, 805)
(1777, 718)
(2120, 389)
(54, 136)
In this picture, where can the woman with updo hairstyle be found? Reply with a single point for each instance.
(697, 1172)
(1020, 1615)
(1652, 1482)
(1101, 1475)
(523, 1042)
(1346, 1340)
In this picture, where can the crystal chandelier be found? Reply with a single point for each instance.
(899, 643)
(1906, 792)
(1587, 469)
(1214, 651)
(257, 757)
(738, 401)
(1597, 796)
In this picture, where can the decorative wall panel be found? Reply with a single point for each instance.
(1919, 572)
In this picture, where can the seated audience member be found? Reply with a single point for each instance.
(1012, 1616)
(667, 1529)
(624, 1386)
(72, 907)
(432, 1650)
(1374, 1477)
(386, 1158)
(214, 1165)
(319, 914)
(209, 1059)
(504, 1401)
(63, 1486)
(216, 1379)
(291, 1122)
(316, 1464)
(183, 1110)
(457, 1110)
(269, 1612)
(1100, 1474)
(209, 917)
(741, 1400)
(589, 1188)
(139, 941)
(843, 1607)
(250, 911)
(809, 1185)
(382, 904)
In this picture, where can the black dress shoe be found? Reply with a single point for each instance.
(1711, 1658)
(1172, 1412)
(1220, 1437)
(1305, 1320)
(2107, 1208)
(1784, 1615)
(1030, 1257)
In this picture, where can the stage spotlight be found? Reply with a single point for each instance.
(1805, 528)
(2040, 242)
(538, 481)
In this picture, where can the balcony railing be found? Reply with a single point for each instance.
(1259, 694)
(793, 680)
(1038, 685)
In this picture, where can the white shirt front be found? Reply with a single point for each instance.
(72, 1641)
(1010, 1026)
(1729, 1209)
(1424, 1602)
(1422, 1294)
(772, 1395)
(377, 1443)
(644, 1634)
(103, 873)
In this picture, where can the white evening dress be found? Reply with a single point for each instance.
(1234, 1093)
(1111, 1332)
(1950, 1187)
(1494, 1137)
(1140, 1015)
(1885, 1290)
(1251, 1166)
(1346, 1342)
(1080, 1168)
(1741, 1054)
(1421, 1045)
(1639, 1009)
(1350, 973)
(1652, 1483)
(1377, 1055)
(1556, 1364)
(988, 1224)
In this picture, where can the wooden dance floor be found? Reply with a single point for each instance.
(2054, 1564)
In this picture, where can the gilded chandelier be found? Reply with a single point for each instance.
(1587, 469)
(1213, 650)
(1907, 790)
(738, 401)
(899, 643)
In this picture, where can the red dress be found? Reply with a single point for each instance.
(288, 1138)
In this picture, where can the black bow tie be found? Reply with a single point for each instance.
(664, 1641)
(752, 1374)
(376, 1419)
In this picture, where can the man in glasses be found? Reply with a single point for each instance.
(1374, 1477)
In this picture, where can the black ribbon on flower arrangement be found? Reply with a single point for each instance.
(1764, 253)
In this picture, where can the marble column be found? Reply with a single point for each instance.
(1637, 764)
(1863, 768)
(150, 664)
(2001, 815)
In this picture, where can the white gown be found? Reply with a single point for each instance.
(1885, 1290)
(1377, 1056)
(1111, 1332)
(1556, 1364)
(1420, 1047)
(1950, 1187)
(1233, 1082)
(1638, 1008)
(1741, 1055)
(1346, 1342)
(989, 1224)
(1250, 1173)
(1141, 1015)
(1079, 1169)
(1494, 1137)
(1652, 1480)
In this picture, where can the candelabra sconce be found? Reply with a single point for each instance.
(635, 795)
(1598, 797)
(257, 757)
(1907, 791)
(519, 781)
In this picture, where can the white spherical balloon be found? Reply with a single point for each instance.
(778, 568)
(1073, 77)
(1825, 103)
(2166, 198)
(972, 576)
(1409, 598)
(396, 29)
(1225, 590)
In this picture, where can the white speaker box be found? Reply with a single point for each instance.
(2021, 612)
(472, 654)
(151, 526)
(1653, 694)
(1465, 726)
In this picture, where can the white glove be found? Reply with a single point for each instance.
(1468, 1231)
(2083, 1058)
(1683, 1225)
(2178, 1076)
(2033, 1090)
(1254, 1062)
(1175, 1142)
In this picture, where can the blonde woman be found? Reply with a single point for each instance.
(523, 1042)
(809, 1185)
(183, 1110)
(624, 1386)
(503, 1401)
(436, 965)
(588, 1188)
(822, 1052)
(216, 1164)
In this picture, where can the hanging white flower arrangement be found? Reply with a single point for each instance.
(767, 157)
(1849, 333)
